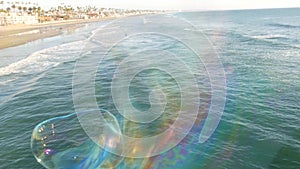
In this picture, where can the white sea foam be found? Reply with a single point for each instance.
(269, 36)
(44, 59)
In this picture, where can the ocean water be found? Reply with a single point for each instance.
(259, 128)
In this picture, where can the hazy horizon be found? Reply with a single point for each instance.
(186, 5)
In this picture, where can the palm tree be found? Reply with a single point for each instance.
(24, 9)
(19, 8)
(30, 9)
(39, 11)
(34, 9)
(8, 10)
(2, 3)
(13, 6)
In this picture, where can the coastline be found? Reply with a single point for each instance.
(15, 35)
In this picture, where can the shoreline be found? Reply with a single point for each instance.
(16, 35)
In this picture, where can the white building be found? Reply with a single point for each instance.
(15, 18)
(16, 15)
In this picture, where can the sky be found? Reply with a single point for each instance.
(171, 4)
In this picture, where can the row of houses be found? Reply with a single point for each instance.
(63, 13)
(16, 18)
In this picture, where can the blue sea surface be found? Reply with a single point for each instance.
(260, 53)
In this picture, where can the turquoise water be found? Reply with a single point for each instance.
(259, 50)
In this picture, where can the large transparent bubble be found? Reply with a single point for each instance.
(62, 144)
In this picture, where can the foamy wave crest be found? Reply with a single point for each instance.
(45, 59)
(269, 36)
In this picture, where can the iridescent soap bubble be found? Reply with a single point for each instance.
(61, 143)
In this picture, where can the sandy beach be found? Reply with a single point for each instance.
(14, 35)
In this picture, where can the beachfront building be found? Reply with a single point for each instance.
(15, 18)
(18, 12)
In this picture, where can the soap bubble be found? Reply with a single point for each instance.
(61, 143)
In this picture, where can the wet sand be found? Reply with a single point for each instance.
(14, 35)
